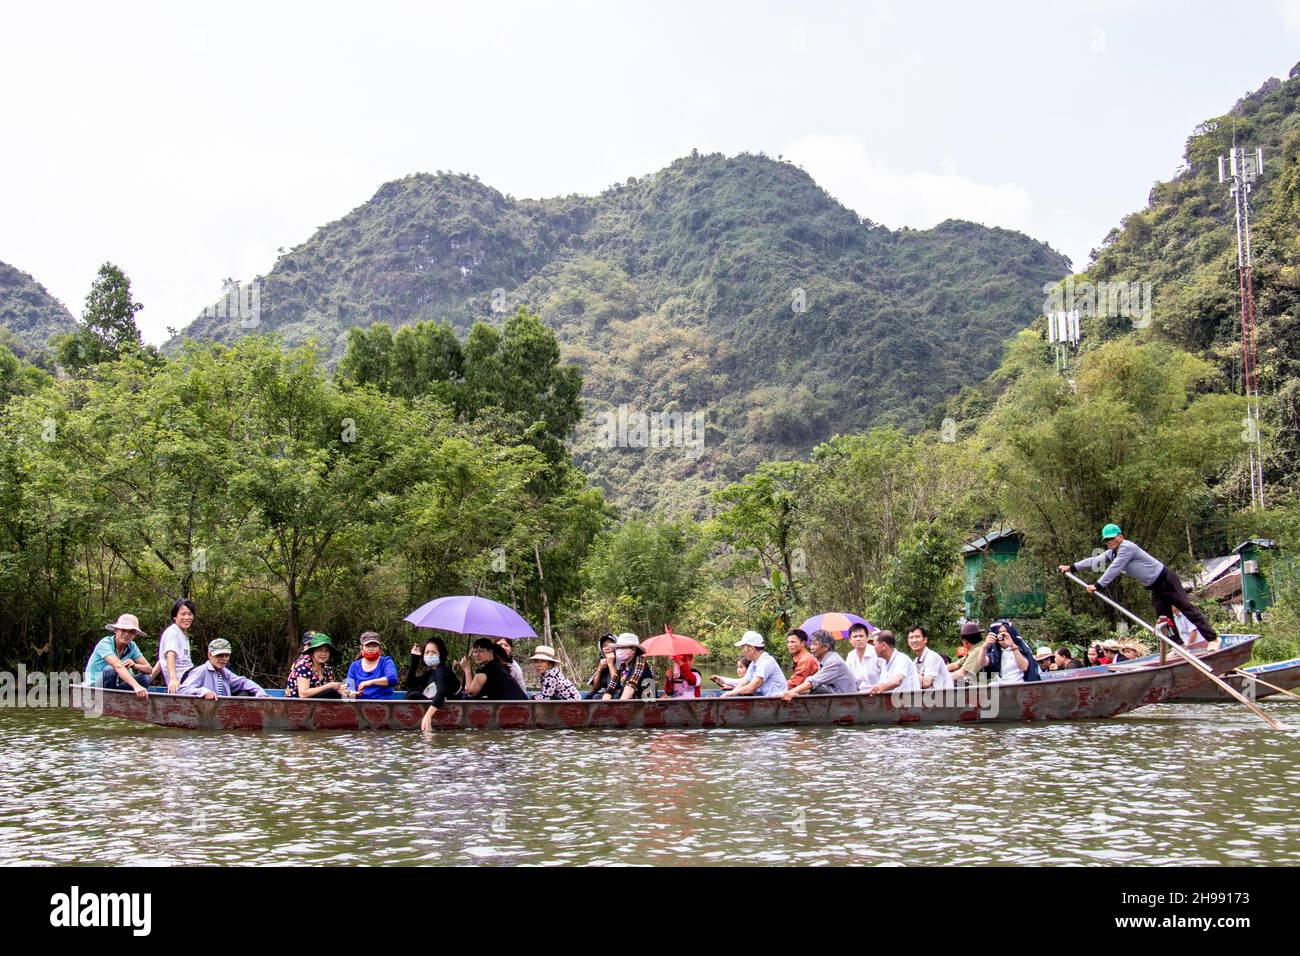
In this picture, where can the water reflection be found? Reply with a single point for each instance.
(1174, 785)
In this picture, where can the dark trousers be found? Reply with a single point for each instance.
(113, 682)
(1167, 593)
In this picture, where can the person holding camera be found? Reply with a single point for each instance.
(1006, 656)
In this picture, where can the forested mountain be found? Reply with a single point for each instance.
(728, 287)
(29, 316)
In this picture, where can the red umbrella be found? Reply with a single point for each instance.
(669, 644)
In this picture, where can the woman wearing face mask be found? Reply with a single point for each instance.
(632, 674)
(431, 678)
(430, 666)
(374, 675)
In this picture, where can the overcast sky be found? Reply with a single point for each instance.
(186, 142)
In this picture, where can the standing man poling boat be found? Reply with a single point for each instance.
(1125, 557)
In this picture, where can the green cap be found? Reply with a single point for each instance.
(1110, 531)
(219, 646)
(320, 640)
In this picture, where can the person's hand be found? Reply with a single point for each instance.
(333, 685)
(426, 722)
(788, 696)
(141, 693)
(606, 696)
(717, 680)
(173, 686)
(415, 648)
(990, 640)
(1092, 589)
(363, 685)
(1064, 569)
(209, 695)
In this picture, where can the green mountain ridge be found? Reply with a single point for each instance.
(678, 292)
(29, 315)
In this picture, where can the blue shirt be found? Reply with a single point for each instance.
(385, 668)
(108, 645)
(766, 668)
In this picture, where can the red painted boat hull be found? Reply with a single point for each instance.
(1284, 674)
(1091, 695)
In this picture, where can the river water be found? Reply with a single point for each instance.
(1170, 785)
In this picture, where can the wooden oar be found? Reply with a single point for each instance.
(1272, 687)
(1184, 653)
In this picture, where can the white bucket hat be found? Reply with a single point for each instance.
(127, 622)
(752, 638)
(544, 653)
(627, 639)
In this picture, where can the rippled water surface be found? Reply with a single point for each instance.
(1174, 784)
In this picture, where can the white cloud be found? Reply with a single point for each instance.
(866, 184)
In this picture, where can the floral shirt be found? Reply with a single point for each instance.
(302, 668)
(555, 686)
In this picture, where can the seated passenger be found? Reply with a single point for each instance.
(683, 680)
(763, 676)
(430, 676)
(311, 675)
(116, 656)
(833, 675)
(1044, 658)
(374, 675)
(554, 685)
(1064, 660)
(516, 671)
(861, 659)
(632, 674)
(214, 679)
(741, 670)
(897, 672)
(805, 664)
(604, 671)
(487, 677)
(174, 646)
(931, 671)
(1006, 657)
(967, 665)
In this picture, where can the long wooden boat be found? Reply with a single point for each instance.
(1087, 695)
(1283, 674)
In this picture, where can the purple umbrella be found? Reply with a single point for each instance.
(471, 615)
(834, 622)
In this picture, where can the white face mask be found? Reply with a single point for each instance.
(432, 660)
(623, 656)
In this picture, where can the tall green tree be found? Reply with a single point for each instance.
(107, 328)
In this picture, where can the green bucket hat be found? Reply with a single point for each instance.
(320, 640)
(1110, 531)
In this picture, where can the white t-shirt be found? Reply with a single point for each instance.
(766, 667)
(865, 669)
(174, 639)
(930, 664)
(899, 663)
(1010, 672)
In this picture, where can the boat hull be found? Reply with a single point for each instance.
(1284, 674)
(1087, 696)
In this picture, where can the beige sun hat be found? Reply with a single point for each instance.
(628, 639)
(544, 653)
(127, 622)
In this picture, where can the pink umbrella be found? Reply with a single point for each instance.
(669, 644)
